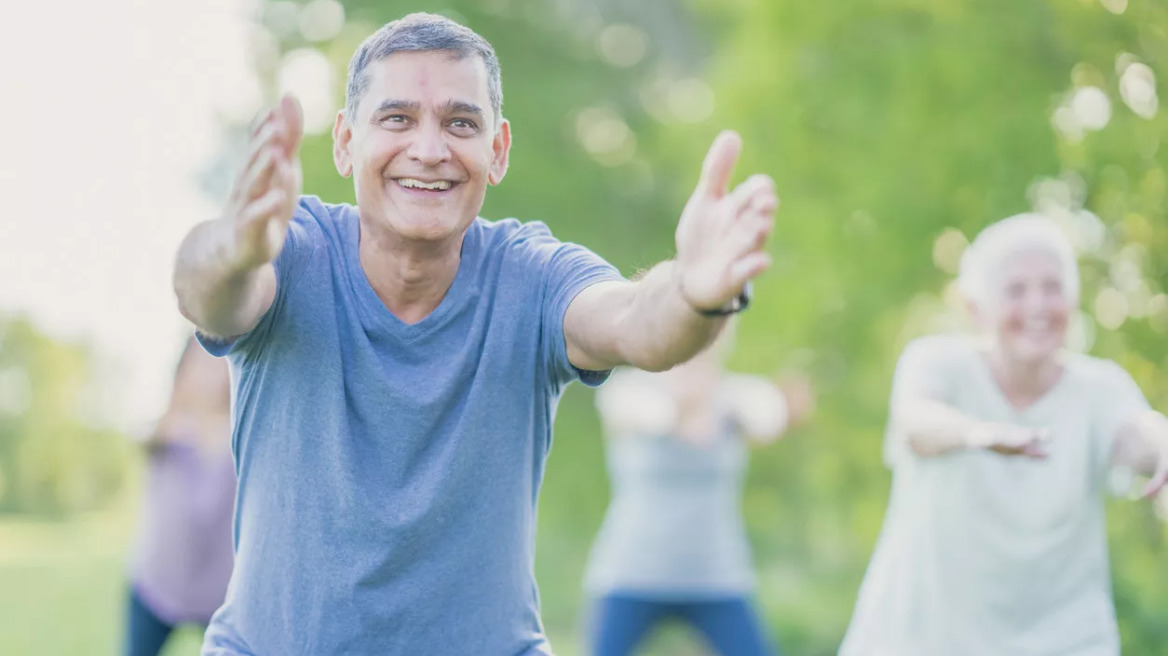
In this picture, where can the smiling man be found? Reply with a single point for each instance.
(398, 363)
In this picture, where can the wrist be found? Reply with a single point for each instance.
(981, 435)
(733, 306)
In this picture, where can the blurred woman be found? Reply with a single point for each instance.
(1000, 442)
(182, 561)
(673, 544)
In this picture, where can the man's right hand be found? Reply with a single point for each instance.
(267, 188)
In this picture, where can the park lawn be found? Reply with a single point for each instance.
(62, 590)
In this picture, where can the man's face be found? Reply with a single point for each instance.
(423, 146)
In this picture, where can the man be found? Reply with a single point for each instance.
(398, 363)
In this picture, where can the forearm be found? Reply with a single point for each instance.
(933, 429)
(219, 296)
(1143, 443)
(660, 328)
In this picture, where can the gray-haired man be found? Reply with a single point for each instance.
(398, 363)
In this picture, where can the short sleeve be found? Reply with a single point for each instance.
(569, 270)
(927, 368)
(299, 244)
(1117, 400)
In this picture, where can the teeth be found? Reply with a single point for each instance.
(439, 185)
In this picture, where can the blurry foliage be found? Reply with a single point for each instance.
(885, 123)
(51, 461)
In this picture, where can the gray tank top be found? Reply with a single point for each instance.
(674, 526)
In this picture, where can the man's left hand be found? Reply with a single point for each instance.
(722, 234)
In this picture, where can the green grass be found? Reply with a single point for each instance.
(62, 587)
(63, 592)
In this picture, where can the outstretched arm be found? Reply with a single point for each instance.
(1142, 444)
(223, 275)
(657, 321)
(933, 428)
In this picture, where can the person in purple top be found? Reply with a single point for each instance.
(182, 560)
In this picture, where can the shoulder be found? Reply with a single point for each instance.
(943, 349)
(509, 234)
(1094, 371)
(318, 219)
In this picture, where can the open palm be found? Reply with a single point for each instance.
(722, 234)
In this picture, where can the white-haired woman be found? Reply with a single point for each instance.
(673, 545)
(1000, 442)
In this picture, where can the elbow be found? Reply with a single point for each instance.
(183, 296)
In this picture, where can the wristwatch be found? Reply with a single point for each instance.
(734, 306)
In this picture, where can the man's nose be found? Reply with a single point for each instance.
(429, 146)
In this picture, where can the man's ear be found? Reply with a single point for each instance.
(342, 138)
(502, 150)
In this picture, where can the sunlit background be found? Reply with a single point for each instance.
(895, 129)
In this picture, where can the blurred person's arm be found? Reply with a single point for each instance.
(657, 321)
(922, 415)
(631, 404)
(764, 409)
(1142, 444)
(224, 277)
(933, 428)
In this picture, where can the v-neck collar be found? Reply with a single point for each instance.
(374, 309)
(983, 365)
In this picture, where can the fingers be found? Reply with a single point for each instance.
(747, 268)
(1034, 450)
(756, 194)
(261, 119)
(1159, 480)
(719, 164)
(292, 124)
(265, 206)
(258, 175)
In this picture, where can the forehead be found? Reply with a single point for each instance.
(431, 78)
(1032, 262)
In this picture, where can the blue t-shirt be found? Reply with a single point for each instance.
(388, 473)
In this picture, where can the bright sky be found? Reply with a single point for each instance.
(109, 113)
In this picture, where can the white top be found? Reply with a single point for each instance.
(674, 529)
(989, 555)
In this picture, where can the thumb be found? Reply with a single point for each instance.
(719, 164)
(293, 123)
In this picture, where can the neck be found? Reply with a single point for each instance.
(1024, 382)
(411, 278)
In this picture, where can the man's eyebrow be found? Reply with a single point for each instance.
(462, 107)
(398, 105)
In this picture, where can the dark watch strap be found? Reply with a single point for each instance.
(736, 305)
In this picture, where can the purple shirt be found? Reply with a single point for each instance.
(183, 557)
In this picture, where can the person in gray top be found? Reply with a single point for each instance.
(673, 544)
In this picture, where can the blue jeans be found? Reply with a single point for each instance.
(145, 632)
(622, 620)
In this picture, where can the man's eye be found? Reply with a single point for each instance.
(463, 124)
(395, 118)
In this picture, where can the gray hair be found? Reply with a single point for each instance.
(1020, 233)
(422, 32)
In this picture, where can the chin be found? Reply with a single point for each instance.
(1036, 353)
(427, 228)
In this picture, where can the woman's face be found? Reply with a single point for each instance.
(1029, 309)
